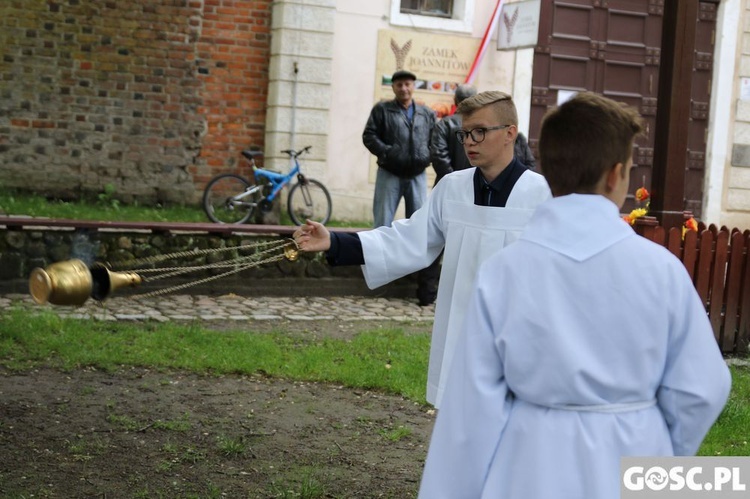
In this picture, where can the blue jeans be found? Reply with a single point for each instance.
(388, 192)
(389, 189)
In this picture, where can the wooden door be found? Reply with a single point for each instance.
(703, 63)
(613, 48)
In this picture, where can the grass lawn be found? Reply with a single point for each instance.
(29, 339)
(106, 208)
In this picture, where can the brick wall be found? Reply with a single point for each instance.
(151, 97)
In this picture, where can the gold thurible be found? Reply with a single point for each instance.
(72, 282)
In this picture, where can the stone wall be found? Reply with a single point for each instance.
(300, 85)
(737, 197)
(146, 99)
(22, 250)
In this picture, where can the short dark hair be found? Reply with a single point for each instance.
(584, 138)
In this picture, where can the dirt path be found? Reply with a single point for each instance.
(144, 433)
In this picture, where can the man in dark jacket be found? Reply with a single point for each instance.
(398, 134)
(523, 152)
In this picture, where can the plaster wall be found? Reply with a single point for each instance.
(727, 184)
(353, 77)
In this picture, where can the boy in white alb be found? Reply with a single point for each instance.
(471, 213)
(583, 341)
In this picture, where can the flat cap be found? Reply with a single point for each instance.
(402, 74)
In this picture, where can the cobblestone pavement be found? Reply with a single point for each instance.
(231, 307)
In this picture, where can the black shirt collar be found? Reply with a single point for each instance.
(496, 193)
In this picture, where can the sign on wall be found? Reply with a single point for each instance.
(745, 88)
(519, 25)
(440, 63)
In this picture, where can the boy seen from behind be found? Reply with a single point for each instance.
(583, 342)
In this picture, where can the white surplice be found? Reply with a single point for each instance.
(469, 233)
(583, 342)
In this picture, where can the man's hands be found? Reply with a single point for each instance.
(312, 236)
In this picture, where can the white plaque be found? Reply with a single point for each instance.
(745, 88)
(519, 25)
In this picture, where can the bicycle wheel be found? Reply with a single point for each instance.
(310, 200)
(226, 199)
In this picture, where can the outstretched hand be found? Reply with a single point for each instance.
(312, 236)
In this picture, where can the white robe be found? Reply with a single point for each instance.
(584, 343)
(469, 234)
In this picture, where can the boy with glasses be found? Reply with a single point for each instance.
(583, 342)
(471, 213)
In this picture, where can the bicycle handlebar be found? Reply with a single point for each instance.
(292, 153)
(252, 154)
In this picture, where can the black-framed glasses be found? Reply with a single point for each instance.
(477, 134)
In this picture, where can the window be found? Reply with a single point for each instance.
(443, 15)
(437, 8)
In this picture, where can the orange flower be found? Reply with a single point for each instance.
(690, 224)
(641, 194)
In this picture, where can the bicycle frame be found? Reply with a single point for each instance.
(277, 180)
(306, 196)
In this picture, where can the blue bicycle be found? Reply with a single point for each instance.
(233, 199)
